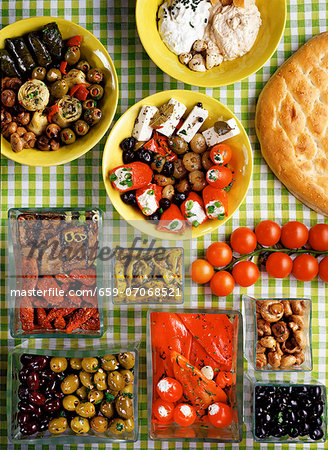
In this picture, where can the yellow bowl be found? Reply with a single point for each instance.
(97, 56)
(242, 159)
(273, 14)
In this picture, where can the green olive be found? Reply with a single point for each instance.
(95, 396)
(81, 128)
(115, 381)
(58, 364)
(109, 363)
(117, 426)
(127, 375)
(80, 425)
(72, 55)
(107, 409)
(86, 379)
(58, 89)
(83, 65)
(86, 409)
(129, 424)
(70, 402)
(92, 116)
(54, 75)
(95, 76)
(76, 363)
(128, 389)
(58, 426)
(126, 360)
(90, 365)
(90, 103)
(99, 424)
(39, 73)
(99, 379)
(124, 407)
(96, 91)
(67, 136)
(82, 393)
(70, 384)
(178, 145)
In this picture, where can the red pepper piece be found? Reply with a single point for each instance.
(152, 190)
(153, 146)
(62, 67)
(211, 194)
(200, 358)
(74, 41)
(138, 175)
(172, 220)
(82, 93)
(30, 273)
(158, 144)
(169, 155)
(214, 334)
(52, 111)
(81, 316)
(26, 314)
(76, 87)
(186, 207)
(50, 290)
(85, 276)
(198, 389)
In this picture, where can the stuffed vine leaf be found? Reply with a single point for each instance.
(19, 51)
(7, 65)
(39, 50)
(53, 40)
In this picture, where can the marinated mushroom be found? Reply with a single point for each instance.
(198, 144)
(272, 310)
(287, 308)
(52, 132)
(8, 129)
(43, 143)
(261, 360)
(263, 328)
(168, 192)
(298, 307)
(296, 322)
(8, 98)
(192, 161)
(23, 118)
(300, 358)
(274, 359)
(260, 348)
(268, 342)
(280, 331)
(161, 180)
(300, 339)
(197, 180)
(54, 145)
(290, 347)
(287, 361)
(183, 186)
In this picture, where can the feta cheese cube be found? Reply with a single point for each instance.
(141, 130)
(213, 138)
(193, 122)
(170, 125)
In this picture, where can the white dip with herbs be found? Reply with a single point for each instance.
(182, 22)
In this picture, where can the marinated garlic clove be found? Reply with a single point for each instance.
(296, 322)
(197, 64)
(208, 372)
(200, 45)
(185, 58)
(261, 360)
(287, 361)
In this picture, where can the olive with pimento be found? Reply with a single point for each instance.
(96, 91)
(92, 116)
(67, 136)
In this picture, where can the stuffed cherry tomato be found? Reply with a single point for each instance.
(219, 176)
(184, 415)
(163, 411)
(220, 415)
(221, 154)
(169, 389)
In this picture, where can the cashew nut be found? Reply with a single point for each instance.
(296, 322)
(287, 308)
(268, 342)
(280, 331)
(185, 58)
(263, 328)
(298, 307)
(287, 360)
(197, 63)
(300, 338)
(261, 360)
(272, 310)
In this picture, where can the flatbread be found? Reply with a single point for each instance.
(292, 123)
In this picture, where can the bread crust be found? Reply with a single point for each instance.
(292, 123)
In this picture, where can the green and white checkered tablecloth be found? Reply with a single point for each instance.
(80, 183)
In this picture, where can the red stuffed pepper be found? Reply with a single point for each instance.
(193, 209)
(172, 220)
(131, 176)
(148, 198)
(216, 202)
(219, 176)
(221, 154)
(159, 144)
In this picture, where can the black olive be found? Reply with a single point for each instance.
(315, 422)
(316, 434)
(129, 198)
(305, 429)
(164, 203)
(315, 392)
(128, 143)
(129, 156)
(168, 169)
(293, 432)
(155, 217)
(260, 432)
(144, 156)
(200, 104)
(179, 198)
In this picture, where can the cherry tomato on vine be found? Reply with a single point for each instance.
(222, 283)
(184, 415)
(318, 237)
(245, 273)
(163, 411)
(224, 379)
(201, 271)
(169, 389)
(219, 254)
(279, 265)
(305, 267)
(323, 269)
(221, 154)
(294, 235)
(243, 240)
(267, 233)
(220, 415)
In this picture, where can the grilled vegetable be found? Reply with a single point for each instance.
(19, 51)
(53, 40)
(41, 54)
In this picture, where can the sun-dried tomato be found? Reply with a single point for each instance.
(29, 272)
(81, 316)
(50, 290)
(85, 276)
(26, 314)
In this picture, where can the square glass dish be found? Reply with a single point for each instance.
(278, 334)
(15, 378)
(303, 407)
(148, 275)
(179, 346)
(55, 274)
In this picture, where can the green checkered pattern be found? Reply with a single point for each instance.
(80, 183)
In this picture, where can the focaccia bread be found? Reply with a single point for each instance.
(292, 123)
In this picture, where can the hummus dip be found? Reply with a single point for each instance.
(233, 29)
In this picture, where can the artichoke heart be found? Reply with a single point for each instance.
(70, 110)
(33, 95)
(74, 76)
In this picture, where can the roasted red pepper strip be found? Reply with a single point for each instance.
(152, 190)
(81, 316)
(158, 144)
(92, 324)
(214, 333)
(211, 196)
(186, 209)
(136, 176)
(167, 333)
(62, 67)
(74, 41)
(52, 111)
(76, 87)
(197, 389)
(172, 220)
(199, 357)
(82, 93)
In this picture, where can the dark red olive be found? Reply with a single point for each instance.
(23, 418)
(59, 395)
(29, 408)
(51, 387)
(29, 428)
(37, 398)
(51, 405)
(23, 374)
(23, 392)
(25, 359)
(43, 424)
(38, 363)
(33, 381)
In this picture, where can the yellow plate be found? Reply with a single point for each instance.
(97, 56)
(242, 160)
(273, 15)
